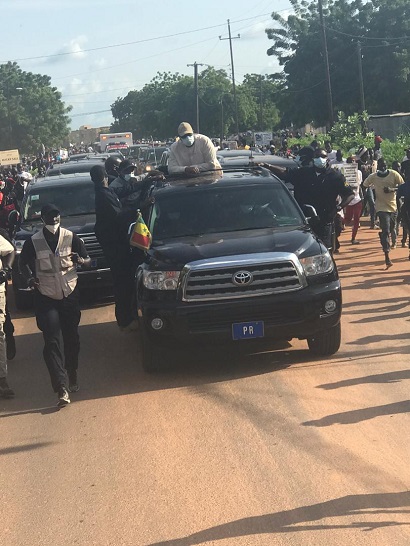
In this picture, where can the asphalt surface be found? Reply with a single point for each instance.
(252, 444)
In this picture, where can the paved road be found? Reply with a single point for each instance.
(231, 448)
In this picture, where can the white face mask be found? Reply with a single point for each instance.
(52, 228)
(188, 141)
(320, 162)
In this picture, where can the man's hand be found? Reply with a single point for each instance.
(76, 258)
(33, 283)
(155, 174)
(191, 170)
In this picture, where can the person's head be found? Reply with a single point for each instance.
(111, 165)
(377, 141)
(396, 166)
(362, 154)
(320, 160)
(50, 214)
(339, 156)
(186, 134)
(381, 165)
(351, 159)
(99, 176)
(304, 157)
(126, 169)
(328, 146)
(407, 153)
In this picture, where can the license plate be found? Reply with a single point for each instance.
(248, 330)
(94, 263)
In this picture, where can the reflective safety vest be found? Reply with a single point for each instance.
(56, 271)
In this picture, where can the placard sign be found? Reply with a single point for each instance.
(349, 171)
(9, 157)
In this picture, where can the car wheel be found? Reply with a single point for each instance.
(152, 354)
(327, 342)
(23, 300)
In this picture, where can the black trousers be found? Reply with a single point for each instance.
(56, 319)
(122, 266)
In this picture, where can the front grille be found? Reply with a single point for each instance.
(222, 319)
(217, 283)
(93, 247)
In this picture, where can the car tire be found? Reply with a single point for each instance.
(152, 354)
(23, 300)
(326, 343)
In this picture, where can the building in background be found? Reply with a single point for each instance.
(87, 135)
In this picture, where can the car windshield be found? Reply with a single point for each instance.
(73, 200)
(222, 210)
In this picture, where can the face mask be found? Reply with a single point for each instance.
(52, 228)
(380, 172)
(188, 141)
(127, 177)
(298, 160)
(320, 162)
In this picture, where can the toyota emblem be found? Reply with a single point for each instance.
(242, 278)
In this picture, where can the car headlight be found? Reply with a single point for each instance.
(317, 265)
(161, 280)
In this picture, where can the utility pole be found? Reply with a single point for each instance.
(359, 60)
(326, 59)
(260, 105)
(233, 75)
(195, 65)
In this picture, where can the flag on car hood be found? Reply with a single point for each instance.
(141, 236)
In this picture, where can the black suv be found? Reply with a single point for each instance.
(233, 258)
(74, 195)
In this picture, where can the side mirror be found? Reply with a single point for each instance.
(13, 222)
(309, 212)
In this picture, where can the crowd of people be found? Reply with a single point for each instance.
(48, 259)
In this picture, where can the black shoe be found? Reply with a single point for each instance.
(73, 382)
(63, 397)
(5, 390)
(354, 242)
(10, 347)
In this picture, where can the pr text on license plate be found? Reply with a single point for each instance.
(248, 330)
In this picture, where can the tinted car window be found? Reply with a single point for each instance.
(222, 210)
(72, 200)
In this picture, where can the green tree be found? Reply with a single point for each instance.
(381, 25)
(31, 111)
(158, 108)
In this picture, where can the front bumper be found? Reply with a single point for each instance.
(299, 314)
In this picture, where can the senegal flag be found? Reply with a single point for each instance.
(140, 237)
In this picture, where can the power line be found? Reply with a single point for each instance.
(88, 113)
(61, 54)
(389, 39)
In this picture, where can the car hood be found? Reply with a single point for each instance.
(83, 223)
(178, 252)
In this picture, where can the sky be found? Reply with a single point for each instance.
(80, 44)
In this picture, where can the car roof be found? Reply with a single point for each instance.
(245, 161)
(238, 152)
(234, 178)
(60, 180)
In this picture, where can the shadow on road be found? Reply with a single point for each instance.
(390, 377)
(25, 447)
(357, 416)
(289, 521)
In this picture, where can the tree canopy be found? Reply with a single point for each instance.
(31, 111)
(382, 27)
(159, 107)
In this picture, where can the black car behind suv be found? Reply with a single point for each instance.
(74, 195)
(233, 258)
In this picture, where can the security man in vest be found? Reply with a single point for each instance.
(48, 261)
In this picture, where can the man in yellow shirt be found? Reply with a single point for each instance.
(385, 183)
